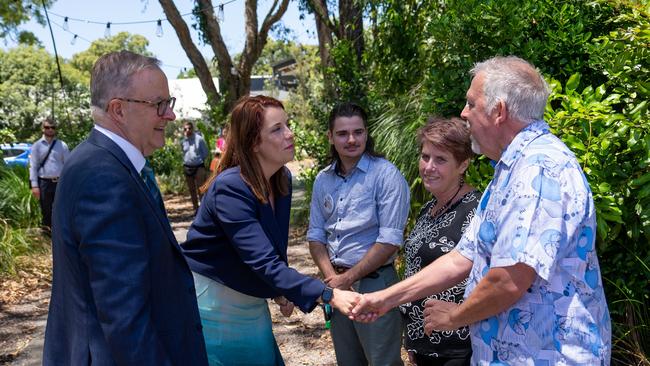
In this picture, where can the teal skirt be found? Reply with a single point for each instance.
(236, 327)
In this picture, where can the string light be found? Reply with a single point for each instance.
(66, 27)
(220, 14)
(74, 40)
(29, 11)
(159, 29)
(107, 32)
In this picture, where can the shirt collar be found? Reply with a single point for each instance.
(363, 164)
(135, 156)
(521, 140)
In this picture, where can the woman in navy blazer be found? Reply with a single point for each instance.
(237, 244)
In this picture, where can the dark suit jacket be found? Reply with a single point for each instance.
(122, 293)
(240, 242)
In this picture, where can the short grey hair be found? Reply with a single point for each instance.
(517, 83)
(111, 75)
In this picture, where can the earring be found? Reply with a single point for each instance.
(461, 181)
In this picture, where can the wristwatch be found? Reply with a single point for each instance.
(327, 295)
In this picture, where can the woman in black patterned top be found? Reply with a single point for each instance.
(445, 155)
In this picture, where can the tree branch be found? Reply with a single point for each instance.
(192, 52)
(321, 11)
(213, 31)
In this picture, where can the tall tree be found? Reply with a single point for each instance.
(339, 37)
(14, 12)
(234, 77)
(85, 60)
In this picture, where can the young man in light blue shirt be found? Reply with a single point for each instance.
(358, 212)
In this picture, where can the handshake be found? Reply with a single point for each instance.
(366, 308)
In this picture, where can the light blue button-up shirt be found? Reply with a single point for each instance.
(539, 210)
(350, 214)
(195, 151)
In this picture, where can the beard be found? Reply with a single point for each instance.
(475, 146)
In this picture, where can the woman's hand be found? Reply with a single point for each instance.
(286, 306)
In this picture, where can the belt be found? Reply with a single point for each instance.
(374, 274)
(53, 180)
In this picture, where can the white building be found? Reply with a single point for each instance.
(191, 99)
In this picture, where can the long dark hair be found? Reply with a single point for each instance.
(246, 121)
(349, 109)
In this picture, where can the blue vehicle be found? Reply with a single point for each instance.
(16, 154)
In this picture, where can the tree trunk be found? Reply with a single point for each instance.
(325, 43)
(234, 79)
(351, 25)
(192, 52)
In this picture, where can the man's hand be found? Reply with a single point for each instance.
(286, 306)
(344, 301)
(370, 308)
(339, 281)
(36, 192)
(437, 316)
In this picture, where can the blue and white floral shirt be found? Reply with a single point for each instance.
(539, 210)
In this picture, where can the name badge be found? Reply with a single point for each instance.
(328, 205)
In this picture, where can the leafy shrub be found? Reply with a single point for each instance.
(167, 163)
(19, 211)
(18, 206)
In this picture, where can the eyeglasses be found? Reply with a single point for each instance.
(161, 107)
(187, 128)
(49, 127)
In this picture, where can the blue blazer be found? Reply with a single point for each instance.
(240, 242)
(122, 293)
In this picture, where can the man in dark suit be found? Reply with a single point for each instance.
(122, 293)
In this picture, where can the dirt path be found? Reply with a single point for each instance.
(24, 300)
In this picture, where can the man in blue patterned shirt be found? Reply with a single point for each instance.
(535, 294)
(358, 212)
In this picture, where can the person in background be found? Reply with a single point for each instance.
(221, 141)
(237, 244)
(122, 293)
(534, 295)
(445, 152)
(214, 164)
(45, 164)
(219, 148)
(358, 211)
(195, 152)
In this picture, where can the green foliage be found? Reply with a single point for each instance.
(19, 210)
(18, 206)
(167, 164)
(30, 90)
(430, 46)
(14, 13)
(347, 75)
(84, 61)
(13, 242)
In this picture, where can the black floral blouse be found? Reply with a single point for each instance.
(432, 238)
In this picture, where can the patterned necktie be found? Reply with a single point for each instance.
(150, 181)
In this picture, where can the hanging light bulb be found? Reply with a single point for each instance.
(73, 40)
(28, 11)
(107, 31)
(159, 30)
(66, 26)
(220, 15)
